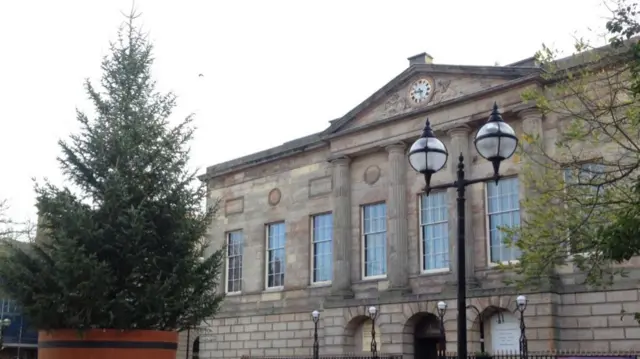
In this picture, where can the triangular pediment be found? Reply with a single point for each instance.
(422, 86)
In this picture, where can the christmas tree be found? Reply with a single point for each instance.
(125, 241)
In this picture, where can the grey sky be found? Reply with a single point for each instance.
(273, 70)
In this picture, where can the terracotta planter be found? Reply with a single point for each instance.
(107, 344)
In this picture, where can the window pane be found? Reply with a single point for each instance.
(322, 248)
(503, 207)
(235, 244)
(275, 255)
(375, 239)
(434, 213)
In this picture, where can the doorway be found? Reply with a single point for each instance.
(426, 348)
(427, 338)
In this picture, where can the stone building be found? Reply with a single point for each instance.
(336, 221)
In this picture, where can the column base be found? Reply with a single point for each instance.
(398, 291)
(473, 283)
(339, 294)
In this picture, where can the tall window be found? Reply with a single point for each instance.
(503, 210)
(276, 239)
(322, 248)
(235, 244)
(585, 197)
(374, 223)
(434, 231)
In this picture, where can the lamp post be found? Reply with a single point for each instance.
(4, 324)
(521, 302)
(442, 309)
(495, 141)
(315, 315)
(373, 314)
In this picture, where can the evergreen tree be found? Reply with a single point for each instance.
(125, 247)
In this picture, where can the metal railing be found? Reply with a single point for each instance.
(546, 355)
(501, 355)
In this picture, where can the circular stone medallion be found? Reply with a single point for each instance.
(372, 174)
(274, 196)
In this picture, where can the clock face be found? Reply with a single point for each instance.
(420, 90)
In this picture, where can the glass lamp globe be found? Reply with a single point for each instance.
(315, 314)
(428, 154)
(372, 311)
(442, 308)
(521, 300)
(496, 140)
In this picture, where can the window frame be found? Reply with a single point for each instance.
(421, 243)
(591, 162)
(363, 236)
(227, 236)
(266, 255)
(488, 221)
(313, 248)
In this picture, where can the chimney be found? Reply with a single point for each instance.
(420, 59)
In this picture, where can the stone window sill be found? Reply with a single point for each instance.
(319, 285)
(273, 289)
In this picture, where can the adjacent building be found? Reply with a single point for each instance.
(20, 339)
(337, 221)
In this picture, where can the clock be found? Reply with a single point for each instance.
(420, 90)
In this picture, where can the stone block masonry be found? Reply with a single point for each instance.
(260, 335)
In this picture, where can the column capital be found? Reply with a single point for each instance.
(462, 130)
(396, 147)
(342, 160)
(530, 113)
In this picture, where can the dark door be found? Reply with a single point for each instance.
(426, 348)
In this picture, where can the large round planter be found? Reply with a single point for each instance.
(107, 344)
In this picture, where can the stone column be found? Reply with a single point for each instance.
(533, 152)
(460, 144)
(397, 231)
(532, 128)
(341, 282)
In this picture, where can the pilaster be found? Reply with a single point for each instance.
(397, 231)
(532, 128)
(341, 193)
(460, 145)
(532, 143)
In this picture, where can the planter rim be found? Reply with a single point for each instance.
(138, 335)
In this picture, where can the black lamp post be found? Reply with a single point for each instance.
(4, 324)
(373, 314)
(495, 141)
(315, 315)
(442, 309)
(521, 302)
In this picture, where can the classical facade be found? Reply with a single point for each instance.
(337, 221)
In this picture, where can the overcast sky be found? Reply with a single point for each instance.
(273, 70)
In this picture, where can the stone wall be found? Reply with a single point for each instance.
(260, 335)
(593, 321)
(186, 341)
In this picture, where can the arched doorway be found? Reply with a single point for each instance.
(427, 338)
(504, 332)
(196, 349)
(358, 336)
